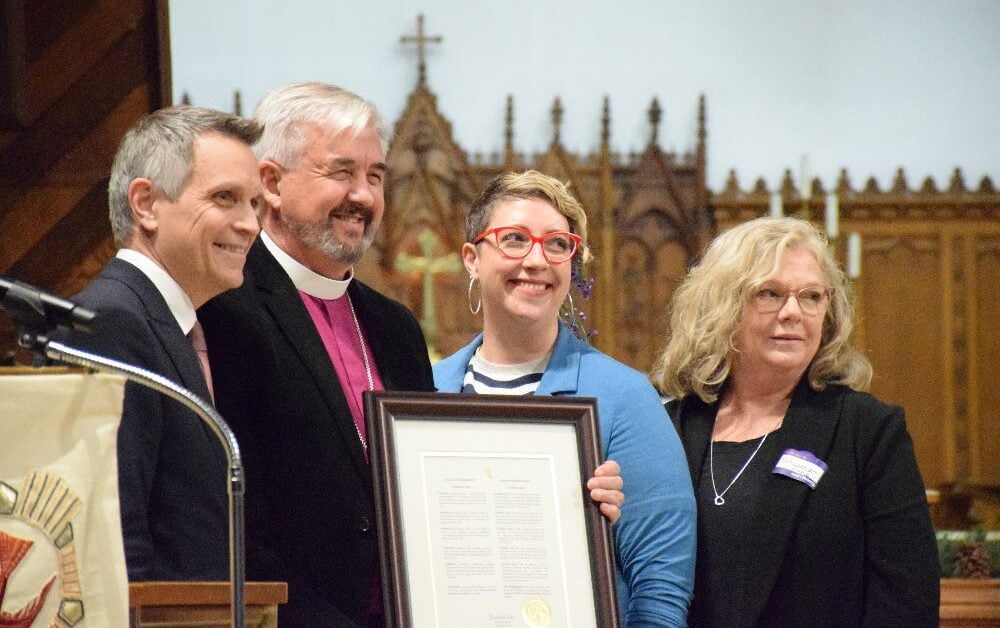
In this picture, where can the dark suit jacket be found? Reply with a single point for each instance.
(857, 550)
(310, 517)
(172, 471)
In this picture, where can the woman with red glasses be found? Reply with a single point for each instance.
(525, 234)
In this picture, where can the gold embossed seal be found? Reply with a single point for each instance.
(536, 613)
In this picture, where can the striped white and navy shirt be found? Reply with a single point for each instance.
(484, 377)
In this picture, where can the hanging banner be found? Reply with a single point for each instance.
(62, 561)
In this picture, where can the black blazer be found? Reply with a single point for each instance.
(310, 517)
(172, 471)
(857, 550)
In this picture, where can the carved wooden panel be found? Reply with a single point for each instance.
(986, 426)
(633, 290)
(901, 300)
(669, 269)
(457, 324)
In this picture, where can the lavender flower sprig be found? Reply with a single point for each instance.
(575, 319)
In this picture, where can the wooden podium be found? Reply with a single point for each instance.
(970, 603)
(201, 604)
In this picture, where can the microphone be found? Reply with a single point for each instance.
(33, 307)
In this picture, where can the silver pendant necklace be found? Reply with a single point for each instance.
(711, 469)
(364, 356)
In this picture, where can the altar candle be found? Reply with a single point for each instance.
(854, 255)
(806, 186)
(775, 210)
(832, 215)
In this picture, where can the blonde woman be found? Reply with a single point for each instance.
(811, 510)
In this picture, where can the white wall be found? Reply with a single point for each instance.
(867, 85)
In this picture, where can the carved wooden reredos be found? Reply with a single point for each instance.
(928, 293)
(648, 212)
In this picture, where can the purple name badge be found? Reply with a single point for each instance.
(801, 465)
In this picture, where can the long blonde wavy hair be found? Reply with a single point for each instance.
(707, 310)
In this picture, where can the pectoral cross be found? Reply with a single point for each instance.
(420, 39)
(428, 266)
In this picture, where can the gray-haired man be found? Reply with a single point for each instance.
(182, 194)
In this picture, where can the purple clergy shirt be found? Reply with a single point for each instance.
(336, 326)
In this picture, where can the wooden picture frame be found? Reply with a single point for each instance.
(483, 513)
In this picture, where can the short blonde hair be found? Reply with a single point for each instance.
(707, 309)
(528, 184)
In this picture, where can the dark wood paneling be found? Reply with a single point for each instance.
(75, 115)
(48, 21)
(12, 61)
(58, 180)
(47, 56)
(68, 243)
(74, 76)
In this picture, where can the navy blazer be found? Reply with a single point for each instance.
(857, 550)
(172, 471)
(310, 513)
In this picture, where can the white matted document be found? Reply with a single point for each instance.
(484, 517)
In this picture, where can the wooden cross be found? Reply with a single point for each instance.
(421, 40)
(428, 266)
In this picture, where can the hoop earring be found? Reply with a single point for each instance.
(572, 310)
(479, 302)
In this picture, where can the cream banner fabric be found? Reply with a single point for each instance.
(62, 562)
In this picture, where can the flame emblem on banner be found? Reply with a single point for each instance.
(12, 551)
(48, 505)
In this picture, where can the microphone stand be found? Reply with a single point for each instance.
(235, 488)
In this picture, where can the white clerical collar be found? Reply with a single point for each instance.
(177, 300)
(306, 280)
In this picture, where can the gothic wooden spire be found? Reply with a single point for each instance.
(557, 115)
(655, 113)
(604, 227)
(508, 134)
(606, 125)
(702, 134)
(701, 162)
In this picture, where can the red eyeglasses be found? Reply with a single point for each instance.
(516, 243)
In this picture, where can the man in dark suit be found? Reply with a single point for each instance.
(182, 194)
(294, 348)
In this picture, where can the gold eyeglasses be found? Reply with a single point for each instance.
(516, 243)
(810, 300)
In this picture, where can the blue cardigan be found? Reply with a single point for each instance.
(655, 537)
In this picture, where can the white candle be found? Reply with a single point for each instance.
(854, 255)
(806, 186)
(775, 210)
(832, 215)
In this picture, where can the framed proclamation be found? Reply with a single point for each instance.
(483, 514)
